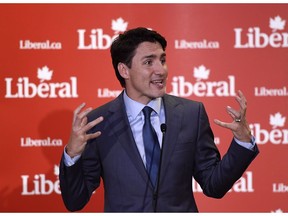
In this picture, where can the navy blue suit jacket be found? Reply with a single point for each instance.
(188, 151)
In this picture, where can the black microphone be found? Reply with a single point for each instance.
(163, 128)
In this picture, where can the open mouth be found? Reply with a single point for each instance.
(159, 83)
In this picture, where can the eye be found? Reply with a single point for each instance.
(163, 61)
(148, 62)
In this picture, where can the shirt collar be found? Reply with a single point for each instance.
(133, 108)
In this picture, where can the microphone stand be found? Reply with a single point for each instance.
(155, 195)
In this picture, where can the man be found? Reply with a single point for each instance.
(108, 143)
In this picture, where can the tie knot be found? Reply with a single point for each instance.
(147, 111)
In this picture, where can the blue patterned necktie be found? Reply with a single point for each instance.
(152, 147)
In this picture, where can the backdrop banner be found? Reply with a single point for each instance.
(55, 56)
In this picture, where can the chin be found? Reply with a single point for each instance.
(160, 94)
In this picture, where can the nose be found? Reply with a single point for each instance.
(160, 68)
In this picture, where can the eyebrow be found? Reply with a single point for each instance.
(153, 56)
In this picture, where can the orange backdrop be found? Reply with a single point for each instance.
(55, 56)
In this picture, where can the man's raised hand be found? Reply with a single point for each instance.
(79, 137)
(239, 125)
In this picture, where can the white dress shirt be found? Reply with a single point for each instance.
(136, 120)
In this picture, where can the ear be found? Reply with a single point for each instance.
(123, 70)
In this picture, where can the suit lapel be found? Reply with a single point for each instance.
(174, 113)
(120, 126)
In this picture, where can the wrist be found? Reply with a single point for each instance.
(245, 137)
(69, 152)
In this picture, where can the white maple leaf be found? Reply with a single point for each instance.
(277, 120)
(56, 170)
(119, 25)
(44, 73)
(277, 23)
(201, 73)
(277, 211)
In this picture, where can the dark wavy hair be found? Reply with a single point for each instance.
(123, 47)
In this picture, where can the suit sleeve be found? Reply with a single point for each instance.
(77, 182)
(217, 176)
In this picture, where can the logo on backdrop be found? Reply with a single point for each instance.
(270, 92)
(202, 44)
(279, 188)
(46, 45)
(277, 135)
(108, 93)
(203, 87)
(254, 37)
(242, 185)
(24, 88)
(40, 185)
(97, 39)
(47, 142)
(277, 211)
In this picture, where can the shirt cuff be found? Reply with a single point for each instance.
(248, 145)
(68, 161)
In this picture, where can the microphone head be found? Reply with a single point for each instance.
(163, 127)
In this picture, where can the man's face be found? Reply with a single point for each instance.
(146, 79)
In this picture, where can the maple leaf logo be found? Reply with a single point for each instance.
(277, 120)
(119, 25)
(201, 73)
(44, 73)
(277, 23)
(56, 170)
(277, 211)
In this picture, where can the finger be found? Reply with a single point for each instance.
(77, 110)
(84, 113)
(233, 113)
(240, 93)
(242, 103)
(223, 124)
(79, 116)
(84, 121)
(240, 98)
(91, 124)
(93, 135)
